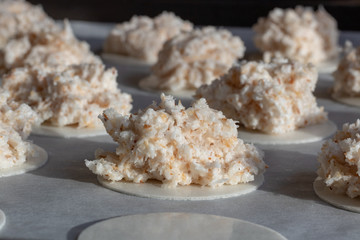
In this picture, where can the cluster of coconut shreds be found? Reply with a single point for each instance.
(273, 97)
(59, 77)
(177, 146)
(301, 34)
(191, 59)
(15, 125)
(340, 160)
(143, 37)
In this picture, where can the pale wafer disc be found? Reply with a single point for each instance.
(124, 60)
(338, 200)
(307, 134)
(36, 159)
(153, 189)
(2, 219)
(67, 131)
(352, 101)
(175, 226)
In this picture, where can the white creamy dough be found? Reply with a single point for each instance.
(335, 199)
(176, 226)
(312, 133)
(67, 131)
(153, 189)
(36, 159)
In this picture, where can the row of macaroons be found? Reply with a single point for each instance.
(266, 91)
(69, 88)
(78, 87)
(176, 145)
(186, 58)
(346, 184)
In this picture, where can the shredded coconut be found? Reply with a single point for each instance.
(20, 17)
(48, 49)
(189, 60)
(271, 97)
(340, 161)
(143, 37)
(74, 96)
(177, 146)
(347, 75)
(15, 126)
(301, 34)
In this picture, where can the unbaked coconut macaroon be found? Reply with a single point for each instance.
(274, 98)
(346, 88)
(189, 60)
(142, 37)
(49, 49)
(19, 17)
(188, 148)
(300, 34)
(17, 155)
(339, 175)
(72, 98)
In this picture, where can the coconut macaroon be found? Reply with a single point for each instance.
(49, 49)
(301, 34)
(189, 60)
(15, 125)
(340, 160)
(274, 97)
(20, 17)
(347, 75)
(143, 37)
(74, 96)
(177, 146)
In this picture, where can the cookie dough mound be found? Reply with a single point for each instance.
(177, 146)
(74, 96)
(347, 75)
(189, 60)
(15, 125)
(20, 17)
(49, 50)
(274, 97)
(301, 34)
(340, 160)
(143, 37)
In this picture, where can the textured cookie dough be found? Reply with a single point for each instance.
(15, 125)
(347, 75)
(74, 96)
(177, 146)
(189, 60)
(274, 97)
(19, 17)
(340, 159)
(142, 37)
(48, 50)
(300, 34)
